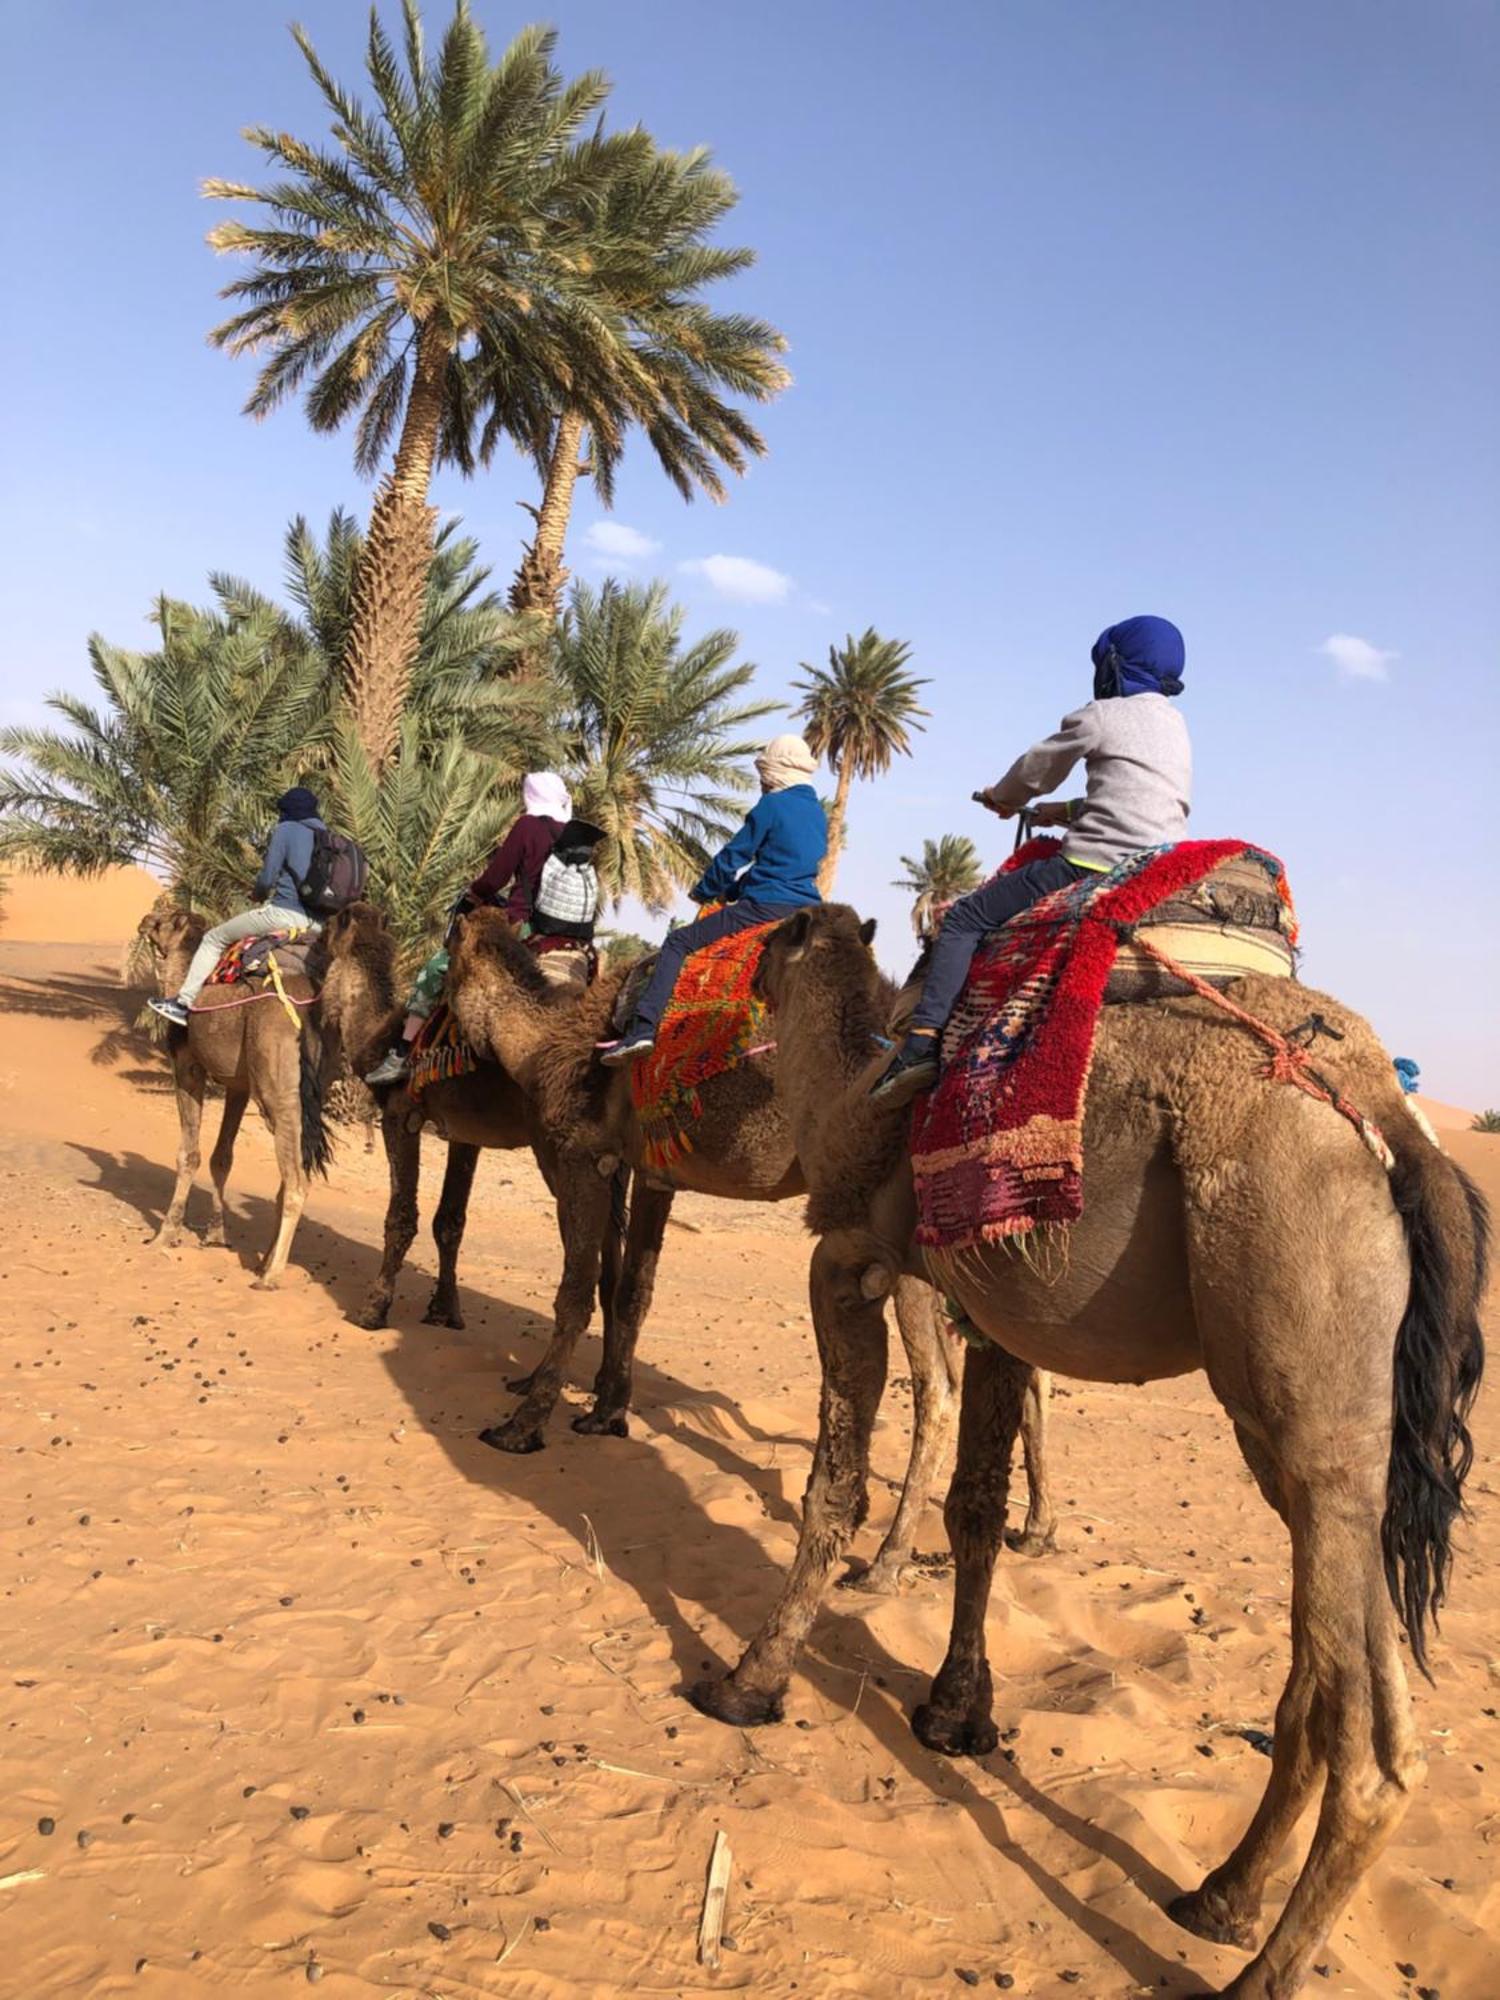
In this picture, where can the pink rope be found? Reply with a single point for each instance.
(250, 999)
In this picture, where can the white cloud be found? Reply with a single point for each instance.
(740, 579)
(1356, 659)
(617, 543)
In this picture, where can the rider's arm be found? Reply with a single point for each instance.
(501, 872)
(731, 861)
(276, 860)
(1047, 763)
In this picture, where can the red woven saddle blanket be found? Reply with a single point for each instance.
(712, 1022)
(997, 1147)
(247, 962)
(439, 1051)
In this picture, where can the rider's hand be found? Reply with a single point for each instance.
(1055, 812)
(990, 805)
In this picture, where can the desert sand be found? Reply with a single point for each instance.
(302, 1683)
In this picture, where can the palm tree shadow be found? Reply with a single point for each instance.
(633, 1487)
(97, 997)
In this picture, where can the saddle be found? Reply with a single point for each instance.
(247, 962)
(1227, 926)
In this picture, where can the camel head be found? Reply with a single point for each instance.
(359, 996)
(828, 941)
(173, 934)
(498, 995)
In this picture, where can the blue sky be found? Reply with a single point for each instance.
(1094, 308)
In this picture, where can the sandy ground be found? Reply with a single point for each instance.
(310, 1686)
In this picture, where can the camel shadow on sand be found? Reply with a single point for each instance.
(629, 1484)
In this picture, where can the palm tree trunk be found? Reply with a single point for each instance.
(836, 818)
(538, 586)
(390, 590)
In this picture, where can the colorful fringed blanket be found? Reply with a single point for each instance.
(997, 1148)
(712, 1022)
(439, 1052)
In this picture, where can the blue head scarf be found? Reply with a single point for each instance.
(298, 803)
(1139, 656)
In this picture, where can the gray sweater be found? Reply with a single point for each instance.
(1139, 766)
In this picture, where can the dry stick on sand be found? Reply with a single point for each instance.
(715, 1896)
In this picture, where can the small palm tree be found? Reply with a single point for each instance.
(649, 257)
(652, 728)
(179, 768)
(1486, 1121)
(949, 867)
(417, 258)
(859, 710)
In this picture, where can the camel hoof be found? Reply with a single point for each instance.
(1205, 1913)
(437, 1315)
(1032, 1545)
(263, 1284)
(742, 1708)
(600, 1423)
(953, 1735)
(371, 1315)
(520, 1385)
(165, 1239)
(216, 1240)
(504, 1437)
(876, 1579)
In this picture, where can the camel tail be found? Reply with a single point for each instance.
(317, 1141)
(1439, 1360)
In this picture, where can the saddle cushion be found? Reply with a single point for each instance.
(997, 1147)
(247, 962)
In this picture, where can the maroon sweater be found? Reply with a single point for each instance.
(517, 863)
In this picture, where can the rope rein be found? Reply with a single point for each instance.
(1289, 1059)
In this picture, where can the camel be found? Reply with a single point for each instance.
(256, 1051)
(1231, 1223)
(742, 1150)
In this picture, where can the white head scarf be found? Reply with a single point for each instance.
(786, 760)
(544, 794)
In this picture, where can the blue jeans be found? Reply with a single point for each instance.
(971, 920)
(692, 937)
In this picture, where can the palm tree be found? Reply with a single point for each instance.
(646, 239)
(949, 867)
(652, 728)
(418, 257)
(180, 768)
(859, 710)
(1485, 1121)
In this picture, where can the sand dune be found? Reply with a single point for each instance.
(65, 909)
(310, 1685)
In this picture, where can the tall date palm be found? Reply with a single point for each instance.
(417, 256)
(859, 711)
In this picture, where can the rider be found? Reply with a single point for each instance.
(767, 871)
(288, 858)
(509, 881)
(1138, 761)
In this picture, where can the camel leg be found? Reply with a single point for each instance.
(403, 1156)
(583, 1211)
(957, 1716)
(934, 1354)
(221, 1160)
(1038, 1537)
(1357, 1712)
(190, 1083)
(612, 1386)
(448, 1233)
(851, 1275)
(286, 1132)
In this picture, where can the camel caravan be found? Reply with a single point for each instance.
(1104, 1130)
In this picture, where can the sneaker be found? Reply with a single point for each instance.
(911, 1071)
(628, 1049)
(394, 1067)
(170, 1010)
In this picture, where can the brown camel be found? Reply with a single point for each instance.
(742, 1150)
(256, 1051)
(1233, 1224)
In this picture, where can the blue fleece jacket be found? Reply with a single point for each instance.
(774, 857)
(284, 870)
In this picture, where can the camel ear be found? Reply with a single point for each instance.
(867, 931)
(796, 931)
